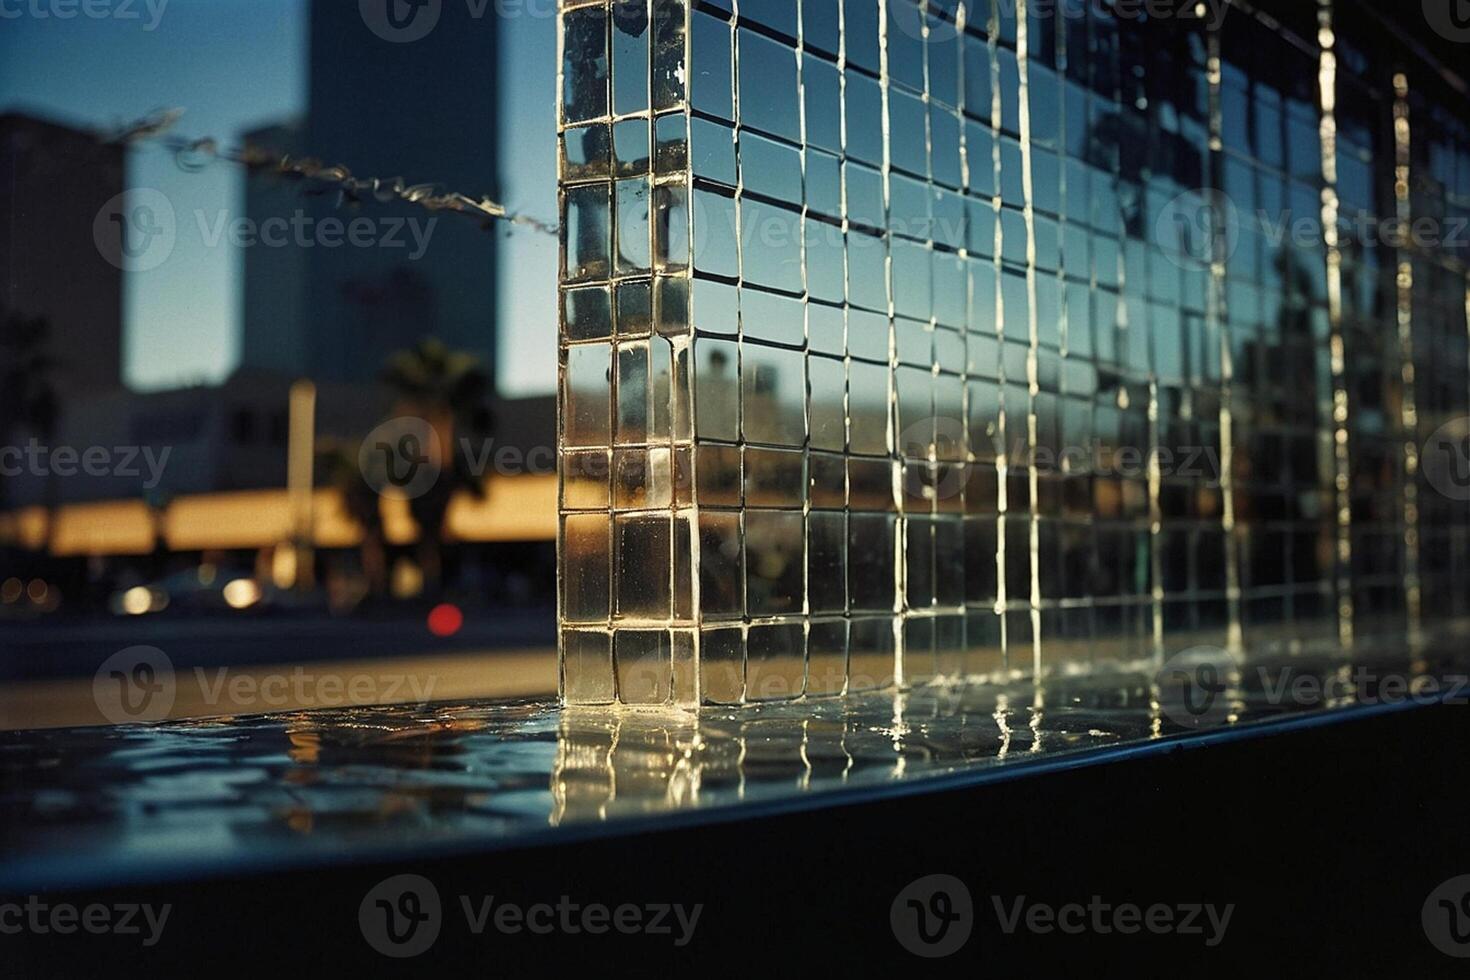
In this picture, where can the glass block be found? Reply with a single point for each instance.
(587, 668)
(719, 476)
(839, 350)
(672, 249)
(778, 15)
(681, 401)
(587, 314)
(826, 329)
(684, 583)
(775, 664)
(722, 666)
(585, 481)
(644, 664)
(769, 97)
(587, 572)
(716, 308)
(867, 288)
(827, 658)
(827, 563)
(822, 89)
(918, 579)
(824, 188)
(949, 646)
(672, 306)
(716, 242)
(584, 64)
(864, 118)
(919, 664)
(670, 145)
(771, 238)
(684, 655)
(670, 32)
(773, 386)
(711, 87)
(770, 169)
(869, 387)
(630, 61)
(712, 151)
(635, 409)
(631, 155)
(871, 550)
(774, 478)
(642, 566)
(586, 152)
(827, 473)
(717, 389)
(587, 396)
(635, 308)
(821, 26)
(870, 484)
(634, 236)
(771, 317)
(826, 278)
(775, 562)
(684, 483)
(871, 646)
(721, 565)
(586, 244)
(643, 479)
(861, 33)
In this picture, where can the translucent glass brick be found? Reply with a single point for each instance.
(884, 359)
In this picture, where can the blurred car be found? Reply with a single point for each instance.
(206, 589)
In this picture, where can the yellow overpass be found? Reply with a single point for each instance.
(514, 508)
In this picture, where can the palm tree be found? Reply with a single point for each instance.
(450, 390)
(341, 469)
(28, 396)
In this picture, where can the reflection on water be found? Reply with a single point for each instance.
(278, 789)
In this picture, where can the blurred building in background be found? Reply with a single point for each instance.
(53, 182)
(424, 112)
(273, 288)
(203, 439)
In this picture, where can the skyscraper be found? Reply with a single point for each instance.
(383, 106)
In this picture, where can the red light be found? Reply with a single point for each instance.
(445, 620)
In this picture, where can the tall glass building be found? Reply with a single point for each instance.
(909, 339)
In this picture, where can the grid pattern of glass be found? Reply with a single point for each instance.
(909, 339)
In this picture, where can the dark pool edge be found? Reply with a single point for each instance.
(20, 875)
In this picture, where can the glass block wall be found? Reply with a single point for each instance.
(917, 339)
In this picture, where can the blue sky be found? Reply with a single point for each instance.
(234, 64)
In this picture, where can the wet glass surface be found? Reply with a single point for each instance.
(225, 794)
